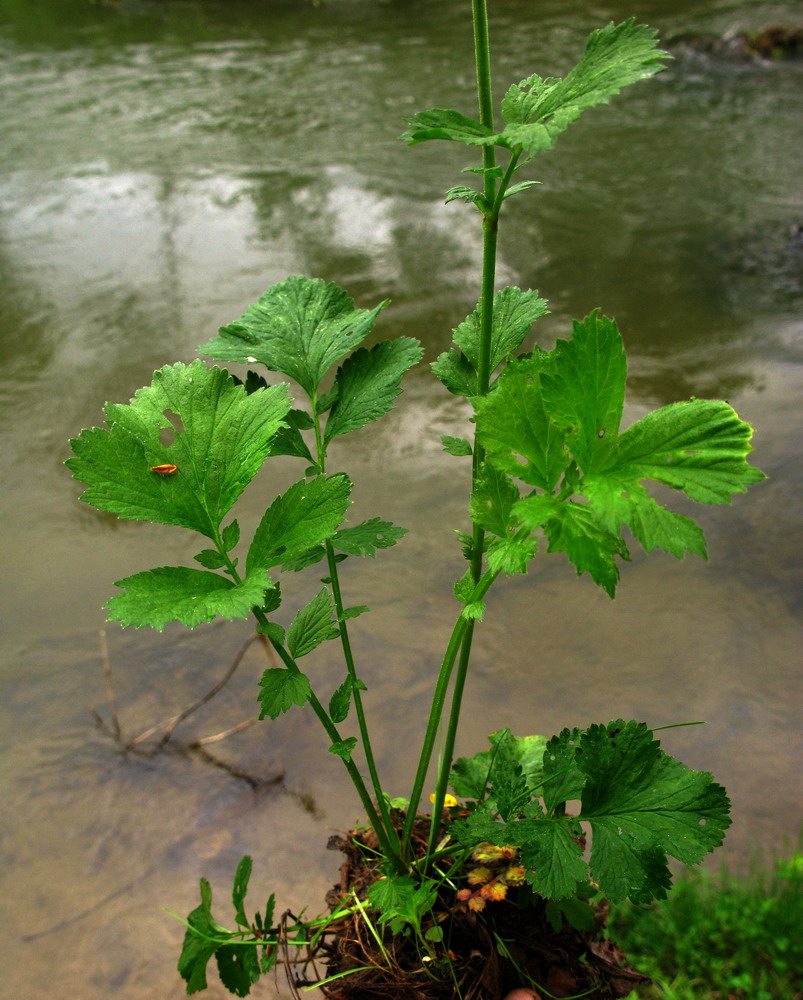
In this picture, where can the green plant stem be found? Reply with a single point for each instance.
(388, 849)
(348, 655)
(436, 710)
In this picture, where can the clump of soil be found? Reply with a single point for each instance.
(562, 963)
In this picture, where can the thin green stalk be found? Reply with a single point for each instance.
(388, 849)
(345, 642)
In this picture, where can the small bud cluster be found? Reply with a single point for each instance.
(492, 876)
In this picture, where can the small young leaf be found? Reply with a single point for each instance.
(312, 625)
(281, 689)
(456, 446)
(368, 382)
(519, 187)
(511, 555)
(355, 612)
(299, 327)
(340, 702)
(344, 748)
(492, 501)
(514, 313)
(364, 539)
(300, 519)
(457, 373)
(211, 420)
(240, 888)
(289, 440)
(181, 594)
(231, 535)
(469, 194)
(210, 559)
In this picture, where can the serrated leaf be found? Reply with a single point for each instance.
(211, 419)
(289, 440)
(514, 313)
(516, 188)
(313, 625)
(354, 612)
(537, 110)
(238, 967)
(299, 327)
(210, 559)
(340, 703)
(180, 594)
(368, 382)
(230, 535)
(457, 373)
(240, 888)
(444, 123)
(588, 545)
(517, 432)
(699, 447)
(511, 555)
(553, 858)
(457, 446)
(197, 948)
(344, 748)
(492, 501)
(273, 631)
(584, 389)
(470, 776)
(365, 538)
(281, 689)
(642, 805)
(563, 780)
(300, 519)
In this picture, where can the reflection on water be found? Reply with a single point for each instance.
(162, 164)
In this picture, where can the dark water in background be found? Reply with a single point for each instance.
(162, 164)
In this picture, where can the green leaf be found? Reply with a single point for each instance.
(575, 530)
(344, 748)
(516, 188)
(457, 373)
(443, 123)
(699, 446)
(210, 559)
(300, 519)
(197, 949)
(289, 440)
(299, 327)
(312, 625)
(553, 857)
(469, 194)
(537, 110)
(240, 889)
(514, 313)
(281, 689)
(516, 430)
(180, 594)
(584, 390)
(273, 631)
(368, 382)
(470, 776)
(642, 805)
(354, 612)
(511, 555)
(238, 967)
(492, 501)
(457, 446)
(365, 538)
(340, 703)
(210, 418)
(231, 536)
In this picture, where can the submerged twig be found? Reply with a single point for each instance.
(107, 674)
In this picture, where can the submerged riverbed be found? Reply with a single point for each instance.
(162, 164)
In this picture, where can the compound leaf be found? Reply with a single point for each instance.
(368, 382)
(181, 594)
(299, 327)
(312, 625)
(211, 419)
(281, 689)
(201, 940)
(299, 520)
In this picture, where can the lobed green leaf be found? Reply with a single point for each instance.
(313, 625)
(281, 689)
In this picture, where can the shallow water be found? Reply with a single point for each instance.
(162, 164)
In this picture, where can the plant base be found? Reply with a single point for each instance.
(564, 963)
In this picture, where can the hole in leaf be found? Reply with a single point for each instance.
(167, 435)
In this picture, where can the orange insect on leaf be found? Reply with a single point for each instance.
(164, 470)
